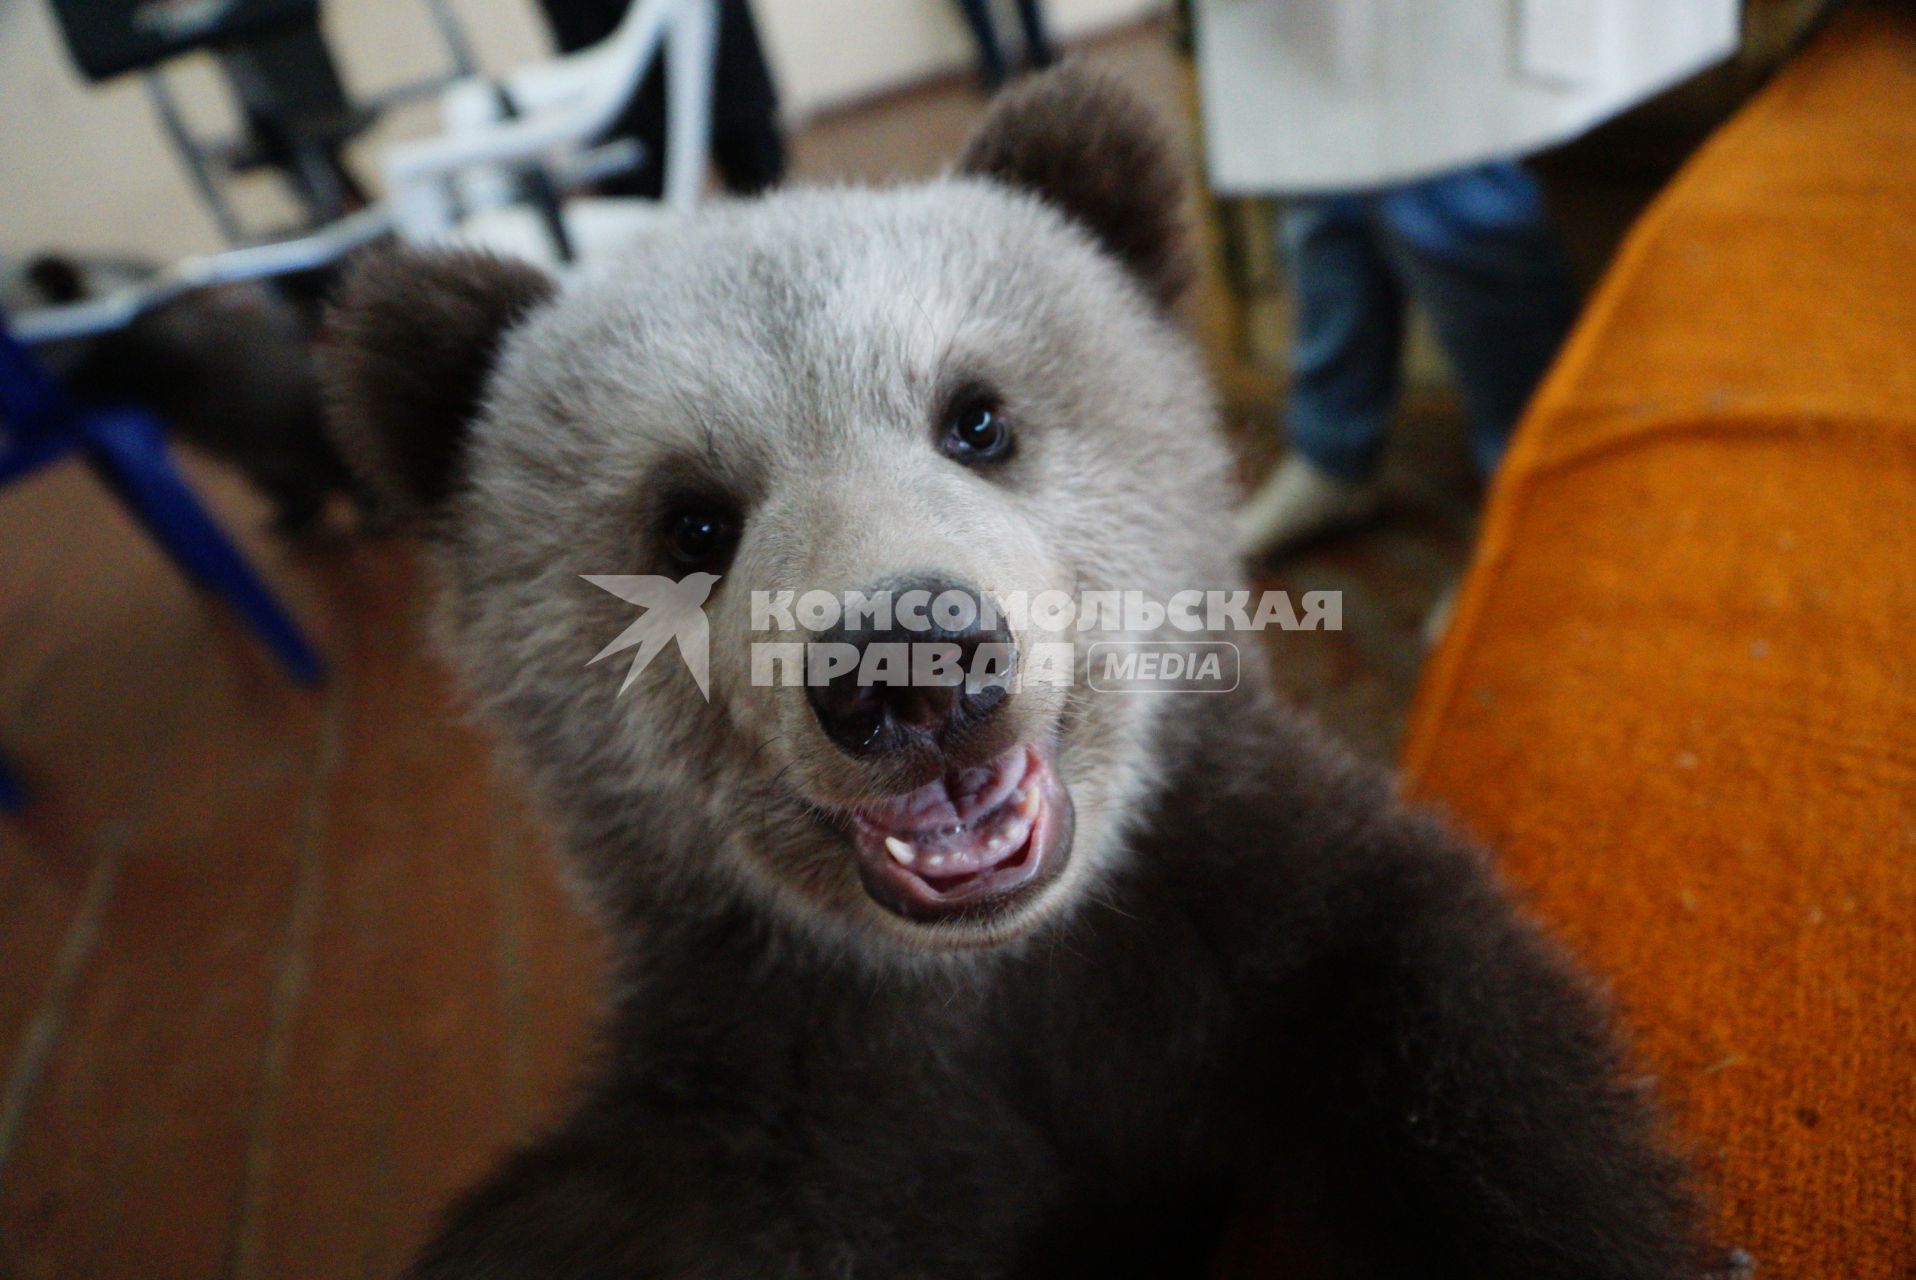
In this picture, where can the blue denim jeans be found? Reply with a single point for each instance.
(1474, 250)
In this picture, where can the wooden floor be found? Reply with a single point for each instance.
(280, 969)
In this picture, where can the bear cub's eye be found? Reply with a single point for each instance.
(701, 536)
(976, 430)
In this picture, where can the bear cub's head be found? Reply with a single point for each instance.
(972, 389)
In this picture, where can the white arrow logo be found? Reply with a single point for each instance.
(674, 610)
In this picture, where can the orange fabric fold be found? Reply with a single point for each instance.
(1679, 692)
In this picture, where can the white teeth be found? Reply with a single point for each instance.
(902, 852)
(1028, 804)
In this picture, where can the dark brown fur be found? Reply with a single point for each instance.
(1298, 991)
(409, 346)
(1080, 142)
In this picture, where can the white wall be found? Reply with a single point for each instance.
(87, 168)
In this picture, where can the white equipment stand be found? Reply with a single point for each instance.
(504, 142)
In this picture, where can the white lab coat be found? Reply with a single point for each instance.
(1317, 95)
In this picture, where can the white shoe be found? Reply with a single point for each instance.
(1300, 501)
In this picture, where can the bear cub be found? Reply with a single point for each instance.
(1012, 978)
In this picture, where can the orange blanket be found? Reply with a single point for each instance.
(1680, 689)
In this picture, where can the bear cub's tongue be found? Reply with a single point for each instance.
(963, 823)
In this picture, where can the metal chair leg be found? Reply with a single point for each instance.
(128, 450)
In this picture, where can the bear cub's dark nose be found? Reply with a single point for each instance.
(935, 662)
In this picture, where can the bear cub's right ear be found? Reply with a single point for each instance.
(404, 358)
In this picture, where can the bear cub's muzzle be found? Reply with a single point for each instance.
(924, 685)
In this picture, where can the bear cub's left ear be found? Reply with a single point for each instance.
(1083, 142)
(404, 358)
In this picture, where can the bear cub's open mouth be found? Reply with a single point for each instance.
(973, 837)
